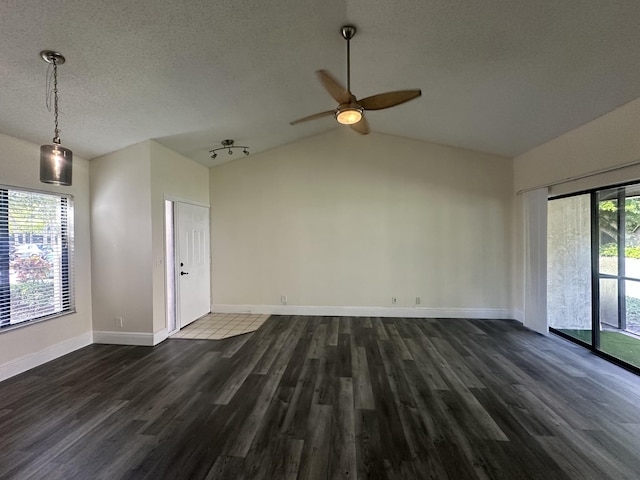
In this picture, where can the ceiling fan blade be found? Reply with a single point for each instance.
(388, 99)
(313, 117)
(362, 126)
(335, 89)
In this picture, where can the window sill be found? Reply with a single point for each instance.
(15, 326)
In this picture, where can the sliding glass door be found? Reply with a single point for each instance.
(594, 270)
(619, 272)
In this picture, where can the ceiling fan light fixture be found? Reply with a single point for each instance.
(349, 115)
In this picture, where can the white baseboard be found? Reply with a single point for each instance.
(160, 336)
(125, 338)
(407, 312)
(27, 362)
(518, 315)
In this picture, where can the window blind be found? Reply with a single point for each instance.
(36, 255)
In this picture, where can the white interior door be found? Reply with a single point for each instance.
(192, 262)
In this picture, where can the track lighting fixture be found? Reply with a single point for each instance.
(228, 145)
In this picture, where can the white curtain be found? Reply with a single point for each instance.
(534, 205)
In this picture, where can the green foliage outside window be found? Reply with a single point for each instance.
(611, 250)
(608, 214)
(31, 213)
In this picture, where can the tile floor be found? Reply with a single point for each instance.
(221, 325)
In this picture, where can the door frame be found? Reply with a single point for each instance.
(171, 260)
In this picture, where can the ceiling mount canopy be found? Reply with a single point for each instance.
(228, 145)
(55, 160)
(348, 31)
(350, 110)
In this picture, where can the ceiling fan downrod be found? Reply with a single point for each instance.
(348, 31)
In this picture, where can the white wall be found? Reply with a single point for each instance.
(347, 220)
(26, 347)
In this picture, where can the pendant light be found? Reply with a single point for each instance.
(55, 160)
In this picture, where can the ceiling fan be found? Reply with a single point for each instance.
(350, 110)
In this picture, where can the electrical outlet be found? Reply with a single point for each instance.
(283, 299)
(417, 300)
(394, 300)
(119, 322)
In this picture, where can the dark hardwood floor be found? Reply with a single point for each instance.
(330, 398)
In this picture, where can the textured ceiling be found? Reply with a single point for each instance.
(499, 76)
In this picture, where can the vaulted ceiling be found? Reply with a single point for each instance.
(498, 76)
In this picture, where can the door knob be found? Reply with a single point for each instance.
(184, 273)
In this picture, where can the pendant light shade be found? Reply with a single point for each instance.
(55, 164)
(55, 160)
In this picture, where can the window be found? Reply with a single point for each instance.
(36, 253)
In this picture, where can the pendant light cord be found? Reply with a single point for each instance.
(56, 132)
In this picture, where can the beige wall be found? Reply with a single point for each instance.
(121, 239)
(25, 347)
(609, 141)
(517, 259)
(347, 220)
